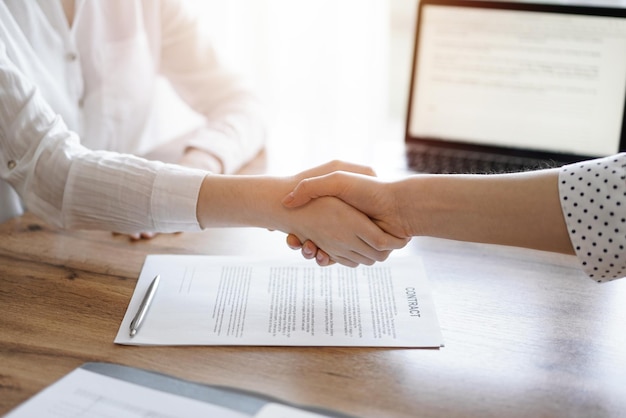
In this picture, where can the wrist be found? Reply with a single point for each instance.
(244, 201)
(429, 205)
(413, 199)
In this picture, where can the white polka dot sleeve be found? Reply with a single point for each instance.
(593, 199)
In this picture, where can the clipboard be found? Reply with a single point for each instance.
(228, 397)
(244, 403)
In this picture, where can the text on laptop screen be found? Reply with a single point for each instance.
(546, 81)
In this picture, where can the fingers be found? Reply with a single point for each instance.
(346, 262)
(380, 241)
(337, 165)
(368, 245)
(375, 244)
(364, 254)
(293, 242)
(137, 236)
(309, 251)
(311, 188)
(367, 251)
(323, 259)
(349, 237)
(142, 235)
(330, 180)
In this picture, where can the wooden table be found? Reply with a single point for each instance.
(526, 334)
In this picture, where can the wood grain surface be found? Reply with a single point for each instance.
(526, 333)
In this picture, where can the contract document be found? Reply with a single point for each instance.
(236, 300)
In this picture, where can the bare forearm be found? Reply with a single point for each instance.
(242, 201)
(521, 209)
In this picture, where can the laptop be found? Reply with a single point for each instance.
(500, 86)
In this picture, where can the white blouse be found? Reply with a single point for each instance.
(593, 199)
(76, 103)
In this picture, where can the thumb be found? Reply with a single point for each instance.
(311, 188)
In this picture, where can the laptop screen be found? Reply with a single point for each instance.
(550, 79)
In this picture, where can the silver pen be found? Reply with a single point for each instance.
(143, 308)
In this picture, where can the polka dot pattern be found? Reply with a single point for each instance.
(593, 199)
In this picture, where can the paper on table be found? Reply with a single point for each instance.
(85, 393)
(233, 300)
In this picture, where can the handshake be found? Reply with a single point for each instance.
(342, 213)
(337, 212)
(357, 216)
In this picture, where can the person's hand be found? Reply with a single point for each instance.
(138, 236)
(344, 234)
(308, 248)
(370, 195)
(335, 166)
(197, 158)
(314, 187)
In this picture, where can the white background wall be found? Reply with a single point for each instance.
(333, 73)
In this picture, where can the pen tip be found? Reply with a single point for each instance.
(133, 332)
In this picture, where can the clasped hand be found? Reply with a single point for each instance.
(358, 187)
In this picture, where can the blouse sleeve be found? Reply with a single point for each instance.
(72, 187)
(234, 129)
(593, 199)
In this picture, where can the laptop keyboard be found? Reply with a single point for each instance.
(443, 161)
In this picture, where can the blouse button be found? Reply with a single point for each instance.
(71, 56)
(11, 164)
